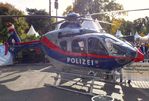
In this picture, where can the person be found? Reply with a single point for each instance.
(109, 44)
(143, 49)
(12, 34)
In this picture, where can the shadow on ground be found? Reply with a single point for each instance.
(129, 93)
(40, 94)
(54, 94)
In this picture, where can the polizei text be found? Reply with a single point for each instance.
(80, 61)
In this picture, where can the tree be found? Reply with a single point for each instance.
(141, 25)
(68, 9)
(116, 25)
(20, 23)
(127, 27)
(146, 22)
(82, 6)
(41, 25)
(96, 6)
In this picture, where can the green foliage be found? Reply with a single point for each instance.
(26, 38)
(41, 25)
(116, 25)
(31, 37)
(127, 27)
(97, 6)
(20, 23)
(140, 25)
(68, 9)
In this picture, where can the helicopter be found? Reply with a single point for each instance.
(78, 43)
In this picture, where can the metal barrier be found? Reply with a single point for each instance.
(137, 71)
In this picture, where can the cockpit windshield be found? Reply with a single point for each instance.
(120, 42)
(113, 47)
(117, 47)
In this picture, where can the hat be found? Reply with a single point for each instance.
(10, 27)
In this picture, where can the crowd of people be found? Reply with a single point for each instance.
(144, 48)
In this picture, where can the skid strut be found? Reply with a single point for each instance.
(107, 77)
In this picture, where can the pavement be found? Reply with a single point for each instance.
(26, 82)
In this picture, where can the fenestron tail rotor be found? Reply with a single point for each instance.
(105, 22)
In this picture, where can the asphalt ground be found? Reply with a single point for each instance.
(26, 82)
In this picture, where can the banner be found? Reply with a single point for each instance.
(5, 59)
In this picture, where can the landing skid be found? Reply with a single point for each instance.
(85, 80)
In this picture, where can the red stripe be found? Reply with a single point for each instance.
(140, 56)
(54, 47)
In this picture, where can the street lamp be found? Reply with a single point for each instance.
(56, 7)
(50, 7)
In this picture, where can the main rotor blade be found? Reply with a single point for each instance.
(87, 19)
(57, 22)
(144, 9)
(38, 16)
(106, 22)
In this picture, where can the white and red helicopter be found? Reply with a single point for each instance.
(76, 44)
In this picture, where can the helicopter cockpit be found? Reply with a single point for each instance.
(118, 48)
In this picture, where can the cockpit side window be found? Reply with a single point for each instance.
(78, 46)
(63, 45)
(95, 46)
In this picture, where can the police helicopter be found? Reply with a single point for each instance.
(79, 43)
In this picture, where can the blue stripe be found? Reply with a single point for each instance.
(98, 63)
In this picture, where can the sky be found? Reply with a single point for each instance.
(39, 4)
(135, 4)
(44, 4)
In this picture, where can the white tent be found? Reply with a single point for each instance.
(5, 59)
(32, 31)
(137, 36)
(145, 38)
(99, 26)
(118, 34)
(130, 34)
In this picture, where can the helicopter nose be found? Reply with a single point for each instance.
(139, 57)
